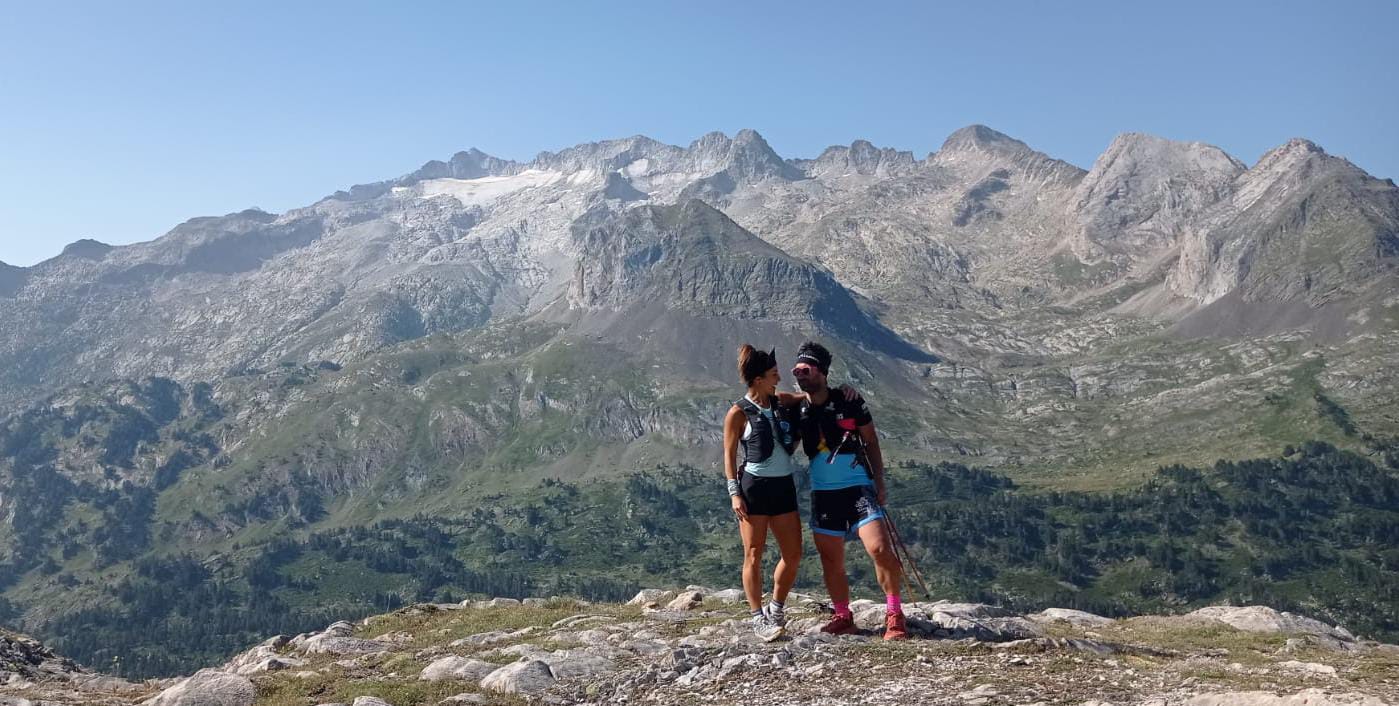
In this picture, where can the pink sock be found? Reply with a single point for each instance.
(842, 608)
(894, 603)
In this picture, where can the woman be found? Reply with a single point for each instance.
(762, 488)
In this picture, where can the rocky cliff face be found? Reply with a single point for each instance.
(1300, 225)
(692, 258)
(1144, 192)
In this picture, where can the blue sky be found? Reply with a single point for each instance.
(119, 120)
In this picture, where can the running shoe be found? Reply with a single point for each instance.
(765, 629)
(895, 627)
(841, 625)
(777, 614)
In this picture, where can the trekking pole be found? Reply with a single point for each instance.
(899, 546)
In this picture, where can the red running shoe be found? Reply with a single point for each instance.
(894, 627)
(841, 625)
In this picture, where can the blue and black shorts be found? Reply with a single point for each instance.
(842, 512)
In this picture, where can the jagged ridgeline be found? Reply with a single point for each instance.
(448, 383)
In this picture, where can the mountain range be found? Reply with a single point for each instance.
(481, 325)
(981, 232)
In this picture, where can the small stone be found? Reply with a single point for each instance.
(980, 695)
(688, 600)
(645, 648)
(525, 677)
(730, 595)
(335, 643)
(208, 687)
(464, 699)
(1267, 620)
(650, 595)
(571, 664)
(461, 668)
(1309, 668)
(1072, 617)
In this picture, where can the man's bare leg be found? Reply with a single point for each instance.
(880, 546)
(832, 552)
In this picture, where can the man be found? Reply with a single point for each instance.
(847, 491)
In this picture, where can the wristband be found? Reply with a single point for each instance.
(733, 486)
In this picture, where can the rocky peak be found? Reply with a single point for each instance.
(861, 157)
(607, 155)
(1291, 164)
(745, 157)
(645, 248)
(1145, 190)
(1300, 165)
(976, 151)
(714, 143)
(640, 256)
(1137, 151)
(979, 138)
(1301, 225)
(677, 264)
(468, 164)
(1294, 148)
(87, 249)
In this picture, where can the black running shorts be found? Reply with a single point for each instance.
(768, 496)
(841, 513)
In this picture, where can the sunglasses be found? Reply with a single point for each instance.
(802, 371)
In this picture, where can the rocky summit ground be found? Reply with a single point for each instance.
(693, 647)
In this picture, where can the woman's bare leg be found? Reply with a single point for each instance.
(787, 530)
(754, 531)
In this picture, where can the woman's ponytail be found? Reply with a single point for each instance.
(753, 363)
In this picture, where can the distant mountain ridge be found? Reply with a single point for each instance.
(982, 229)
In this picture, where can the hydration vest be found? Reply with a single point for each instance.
(760, 442)
(823, 423)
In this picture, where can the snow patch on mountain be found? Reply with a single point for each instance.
(484, 190)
